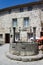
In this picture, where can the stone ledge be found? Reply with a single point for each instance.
(24, 58)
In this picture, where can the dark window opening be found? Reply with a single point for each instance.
(1, 35)
(9, 11)
(21, 9)
(29, 35)
(41, 34)
(42, 28)
(29, 8)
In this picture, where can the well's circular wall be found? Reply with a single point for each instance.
(24, 48)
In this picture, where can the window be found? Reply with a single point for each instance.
(14, 22)
(1, 35)
(21, 9)
(26, 22)
(9, 11)
(42, 28)
(29, 35)
(29, 8)
(34, 30)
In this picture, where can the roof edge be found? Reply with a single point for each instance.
(21, 5)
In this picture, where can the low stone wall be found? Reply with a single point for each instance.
(24, 48)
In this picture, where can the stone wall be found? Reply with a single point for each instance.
(24, 48)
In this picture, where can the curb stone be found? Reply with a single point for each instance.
(24, 58)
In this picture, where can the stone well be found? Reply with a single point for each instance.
(24, 48)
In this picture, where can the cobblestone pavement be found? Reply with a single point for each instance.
(6, 61)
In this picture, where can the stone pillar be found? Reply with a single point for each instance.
(14, 35)
(11, 39)
(34, 33)
(11, 35)
(23, 36)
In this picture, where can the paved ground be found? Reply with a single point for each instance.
(6, 61)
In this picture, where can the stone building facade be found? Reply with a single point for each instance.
(21, 19)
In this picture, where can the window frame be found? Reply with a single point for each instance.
(26, 23)
(14, 21)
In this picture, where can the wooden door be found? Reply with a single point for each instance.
(7, 38)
